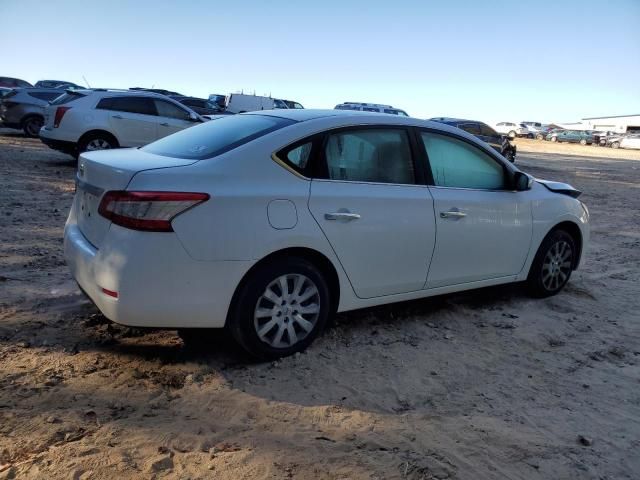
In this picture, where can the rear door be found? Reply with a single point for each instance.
(171, 118)
(374, 209)
(483, 227)
(133, 120)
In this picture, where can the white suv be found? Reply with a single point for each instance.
(511, 129)
(82, 120)
(371, 107)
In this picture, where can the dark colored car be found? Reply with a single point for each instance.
(23, 108)
(201, 106)
(161, 91)
(571, 136)
(13, 83)
(484, 132)
(55, 84)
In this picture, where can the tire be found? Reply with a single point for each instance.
(539, 137)
(552, 265)
(583, 141)
(253, 311)
(511, 134)
(615, 145)
(510, 156)
(32, 125)
(554, 139)
(96, 141)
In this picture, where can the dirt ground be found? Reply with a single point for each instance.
(481, 385)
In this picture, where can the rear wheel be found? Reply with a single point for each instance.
(539, 136)
(512, 134)
(583, 141)
(553, 264)
(32, 126)
(615, 145)
(554, 139)
(97, 141)
(280, 309)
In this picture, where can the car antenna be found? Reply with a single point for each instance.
(85, 81)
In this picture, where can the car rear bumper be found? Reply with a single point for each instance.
(157, 283)
(60, 145)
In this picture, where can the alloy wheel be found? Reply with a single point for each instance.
(287, 311)
(98, 144)
(33, 127)
(557, 265)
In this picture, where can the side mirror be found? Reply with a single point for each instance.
(522, 181)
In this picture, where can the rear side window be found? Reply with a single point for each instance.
(140, 105)
(66, 98)
(46, 96)
(216, 137)
(370, 155)
(487, 131)
(455, 163)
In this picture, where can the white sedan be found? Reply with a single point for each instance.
(268, 223)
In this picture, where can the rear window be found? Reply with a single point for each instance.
(46, 96)
(216, 137)
(66, 98)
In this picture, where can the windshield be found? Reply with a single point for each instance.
(216, 137)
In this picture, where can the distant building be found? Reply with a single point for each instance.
(619, 123)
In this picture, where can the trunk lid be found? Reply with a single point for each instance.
(102, 171)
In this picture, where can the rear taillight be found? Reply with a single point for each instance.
(148, 211)
(60, 111)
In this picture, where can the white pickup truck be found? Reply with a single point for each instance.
(241, 102)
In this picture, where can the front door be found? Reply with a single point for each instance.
(377, 218)
(484, 228)
(171, 118)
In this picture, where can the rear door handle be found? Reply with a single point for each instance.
(346, 216)
(452, 214)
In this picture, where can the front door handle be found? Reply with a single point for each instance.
(346, 216)
(164, 124)
(452, 214)
(119, 117)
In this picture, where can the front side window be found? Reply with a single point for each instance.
(370, 155)
(166, 109)
(214, 138)
(487, 131)
(471, 128)
(455, 163)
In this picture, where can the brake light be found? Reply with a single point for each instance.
(147, 211)
(60, 111)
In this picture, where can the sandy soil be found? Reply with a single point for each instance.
(482, 385)
(542, 146)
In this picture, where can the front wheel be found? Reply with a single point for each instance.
(539, 137)
(583, 141)
(553, 264)
(512, 134)
(554, 139)
(615, 145)
(280, 309)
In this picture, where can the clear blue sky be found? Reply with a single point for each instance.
(490, 60)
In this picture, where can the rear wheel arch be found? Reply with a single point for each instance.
(95, 133)
(319, 260)
(27, 118)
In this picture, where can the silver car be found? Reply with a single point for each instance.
(23, 108)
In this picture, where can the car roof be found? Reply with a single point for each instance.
(454, 120)
(129, 93)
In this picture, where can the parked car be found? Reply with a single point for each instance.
(268, 223)
(534, 129)
(571, 136)
(371, 107)
(201, 106)
(4, 91)
(242, 102)
(532, 124)
(161, 91)
(630, 141)
(608, 137)
(98, 119)
(10, 82)
(500, 143)
(55, 84)
(23, 108)
(292, 104)
(511, 129)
